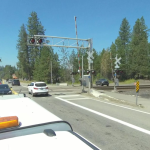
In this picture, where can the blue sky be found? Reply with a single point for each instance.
(97, 19)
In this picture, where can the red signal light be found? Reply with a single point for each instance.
(32, 41)
(39, 41)
(88, 71)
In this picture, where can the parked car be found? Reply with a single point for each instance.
(10, 81)
(15, 82)
(4, 89)
(102, 82)
(38, 88)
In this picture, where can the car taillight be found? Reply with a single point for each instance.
(36, 88)
(46, 87)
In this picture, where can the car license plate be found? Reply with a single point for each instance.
(41, 88)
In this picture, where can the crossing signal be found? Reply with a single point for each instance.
(93, 71)
(39, 41)
(119, 72)
(88, 71)
(32, 41)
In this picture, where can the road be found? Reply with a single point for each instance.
(108, 126)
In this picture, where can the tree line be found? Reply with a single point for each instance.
(34, 63)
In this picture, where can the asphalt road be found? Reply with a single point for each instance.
(108, 126)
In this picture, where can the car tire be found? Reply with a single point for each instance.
(107, 84)
(101, 84)
(32, 94)
(29, 92)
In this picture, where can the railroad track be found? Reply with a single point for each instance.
(120, 87)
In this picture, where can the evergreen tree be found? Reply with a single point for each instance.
(34, 28)
(106, 64)
(42, 65)
(122, 44)
(139, 60)
(23, 54)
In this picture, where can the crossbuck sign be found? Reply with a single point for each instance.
(117, 62)
(90, 56)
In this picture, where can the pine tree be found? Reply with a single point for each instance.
(139, 60)
(23, 54)
(34, 28)
(42, 65)
(122, 44)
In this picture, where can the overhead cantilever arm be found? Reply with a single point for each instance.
(55, 41)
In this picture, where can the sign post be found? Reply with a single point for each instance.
(137, 91)
(117, 63)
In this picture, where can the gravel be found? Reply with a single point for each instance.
(144, 93)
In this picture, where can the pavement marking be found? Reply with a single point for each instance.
(78, 99)
(122, 106)
(14, 92)
(68, 95)
(108, 117)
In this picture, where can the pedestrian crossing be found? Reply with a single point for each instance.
(72, 97)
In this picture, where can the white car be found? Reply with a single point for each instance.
(38, 88)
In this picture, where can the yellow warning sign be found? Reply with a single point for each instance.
(137, 86)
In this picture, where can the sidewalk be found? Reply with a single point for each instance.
(142, 103)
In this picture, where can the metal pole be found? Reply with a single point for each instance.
(51, 73)
(77, 46)
(136, 98)
(82, 75)
(72, 76)
(114, 77)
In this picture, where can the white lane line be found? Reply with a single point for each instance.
(68, 96)
(108, 117)
(122, 106)
(76, 99)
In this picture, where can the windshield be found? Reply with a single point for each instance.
(40, 84)
(82, 53)
(16, 81)
(4, 87)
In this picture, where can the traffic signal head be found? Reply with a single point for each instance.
(93, 72)
(119, 72)
(88, 71)
(39, 41)
(32, 41)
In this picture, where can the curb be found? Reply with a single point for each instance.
(96, 93)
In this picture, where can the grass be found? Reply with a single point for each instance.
(129, 81)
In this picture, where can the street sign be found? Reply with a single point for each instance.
(137, 86)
